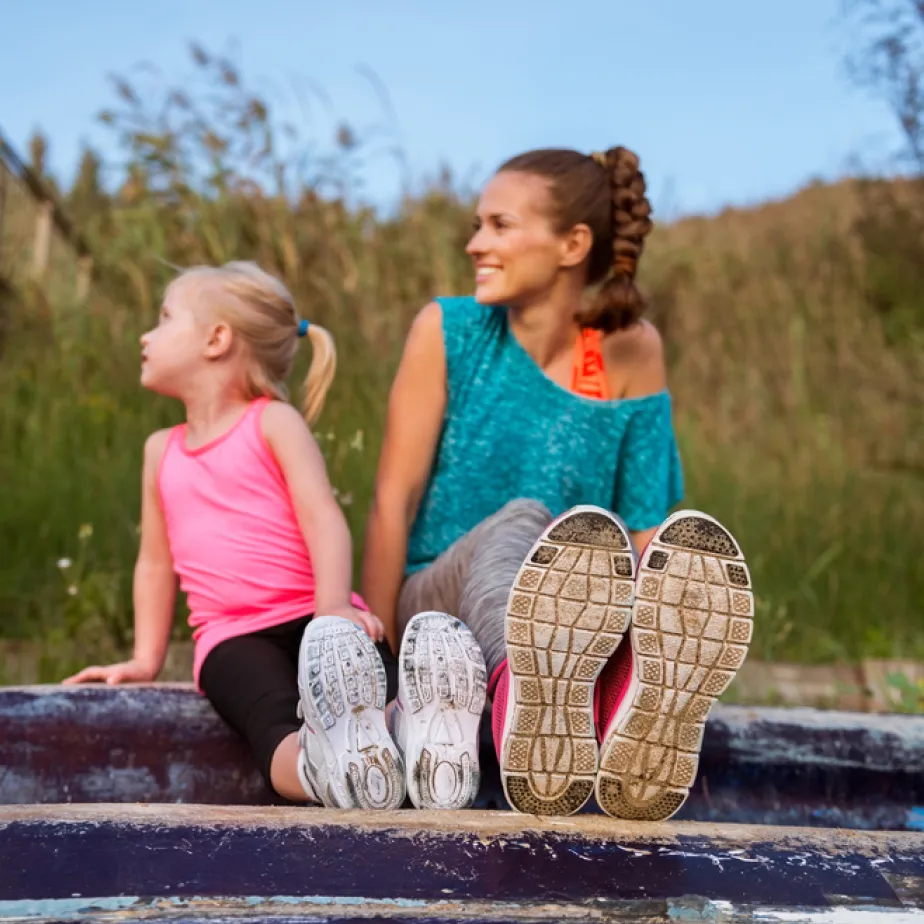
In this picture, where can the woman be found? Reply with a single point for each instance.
(517, 421)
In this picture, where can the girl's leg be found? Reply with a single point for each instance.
(349, 754)
(252, 683)
(284, 774)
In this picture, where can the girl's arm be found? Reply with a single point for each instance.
(154, 589)
(319, 516)
(416, 408)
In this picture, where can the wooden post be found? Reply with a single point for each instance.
(3, 181)
(84, 274)
(42, 246)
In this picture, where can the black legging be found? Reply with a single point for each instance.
(252, 681)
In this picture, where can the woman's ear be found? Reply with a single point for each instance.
(577, 245)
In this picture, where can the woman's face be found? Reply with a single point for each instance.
(516, 251)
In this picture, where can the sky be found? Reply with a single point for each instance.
(727, 102)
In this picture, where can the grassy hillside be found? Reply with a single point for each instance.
(794, 335)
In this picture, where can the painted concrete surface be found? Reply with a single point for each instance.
(206, 863)
(164, 743)
(183, 829)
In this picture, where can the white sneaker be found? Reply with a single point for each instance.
(441, 693)
(350, 760)
(310, 765)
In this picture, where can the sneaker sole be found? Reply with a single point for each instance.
(442, 681)
(692, 622)
(568, 610)
(341, 682)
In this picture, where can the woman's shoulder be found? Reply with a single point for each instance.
(634, 358)
(464, 311)
(449, 314)
(461, 323)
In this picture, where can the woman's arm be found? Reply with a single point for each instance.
(154, 589)
(416, 407)
(638, 354)
(319, 516)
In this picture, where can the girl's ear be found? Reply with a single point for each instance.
(220, 340)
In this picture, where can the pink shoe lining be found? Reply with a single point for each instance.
(612, 686)
(496, 676)
(500, 681)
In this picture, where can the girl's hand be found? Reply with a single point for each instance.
(133, 671)
(370, 624)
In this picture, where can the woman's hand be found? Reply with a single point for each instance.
(370, 624)
(133, 671)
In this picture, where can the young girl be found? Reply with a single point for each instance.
(237, 503)
(532, 401)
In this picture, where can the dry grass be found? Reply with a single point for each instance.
(800, 402)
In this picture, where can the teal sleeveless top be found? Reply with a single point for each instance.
(510, 432)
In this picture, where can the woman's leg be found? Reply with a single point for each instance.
(692, 622)
(442, 670)
(569, 607)
(472, 579)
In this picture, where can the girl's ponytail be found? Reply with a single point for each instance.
(261, 311)
(320, 373)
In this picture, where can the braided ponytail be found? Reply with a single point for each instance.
(618, 303)
(605, 191)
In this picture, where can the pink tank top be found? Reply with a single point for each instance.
(234, 538)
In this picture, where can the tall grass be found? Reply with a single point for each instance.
(799, 408)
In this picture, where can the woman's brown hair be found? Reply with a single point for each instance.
(605, 191)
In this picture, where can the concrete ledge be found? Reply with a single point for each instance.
(164, 743)
(199, 862)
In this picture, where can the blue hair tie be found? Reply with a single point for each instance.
(303, 328)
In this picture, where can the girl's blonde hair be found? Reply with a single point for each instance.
(261, 311)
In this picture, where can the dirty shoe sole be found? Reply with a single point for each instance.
(567, 612)
(341, 683)
(691, 625)
(441, 685)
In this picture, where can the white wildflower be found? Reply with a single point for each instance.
(64, 563)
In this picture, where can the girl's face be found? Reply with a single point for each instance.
(516, 250)
(177, 347)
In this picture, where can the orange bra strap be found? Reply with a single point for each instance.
(588, 377)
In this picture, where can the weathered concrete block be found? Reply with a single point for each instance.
(199, 863)
(164, 743)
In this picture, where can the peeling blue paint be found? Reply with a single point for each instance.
(76, 907)
(65, 907)
(676, 911)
